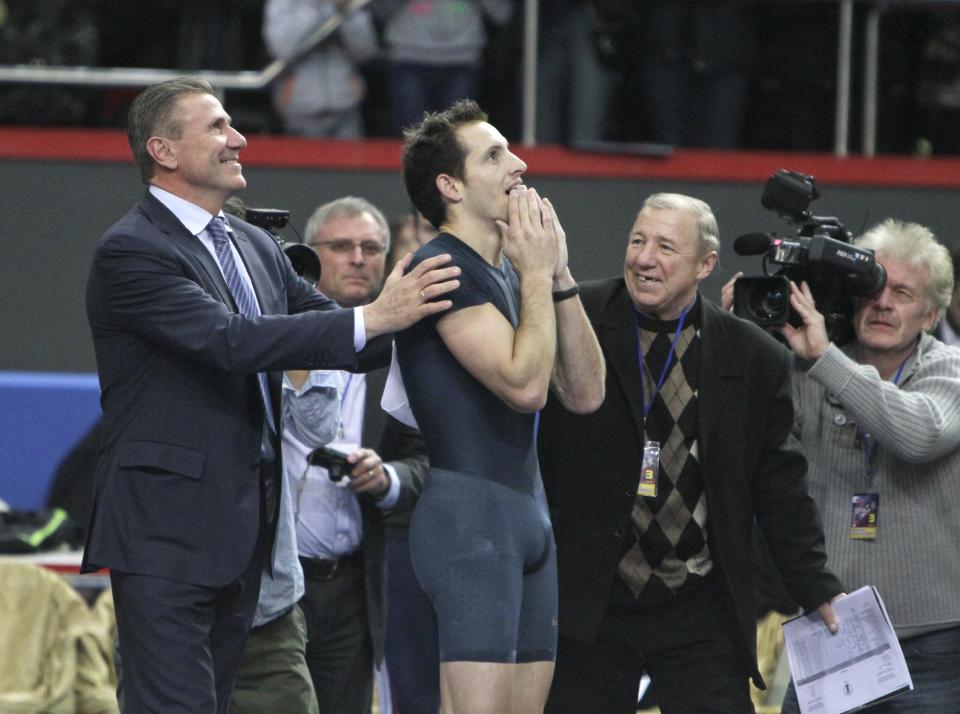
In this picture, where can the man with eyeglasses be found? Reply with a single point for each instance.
(340, 530)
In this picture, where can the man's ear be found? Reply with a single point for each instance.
(162, 152)
(707, 264)
(449, 188)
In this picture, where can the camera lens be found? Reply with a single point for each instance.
(764, 300)
(769, 304)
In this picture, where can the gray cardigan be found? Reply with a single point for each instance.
(914, 562)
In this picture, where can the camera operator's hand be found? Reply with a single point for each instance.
(809, 340)
(726, 294)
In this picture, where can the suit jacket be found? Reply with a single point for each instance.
(751, 464)
(177, 475)
(403, 448)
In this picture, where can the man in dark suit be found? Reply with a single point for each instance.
(192, 313)
(653, 496)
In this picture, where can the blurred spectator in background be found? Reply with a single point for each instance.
(691, 60)
(574, 72)
(434, 51)
(46, 32)
(403, 239)
(948, 329)
(408, 232)
(72, 485)
(320, 94)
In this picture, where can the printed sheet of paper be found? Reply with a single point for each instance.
(860, 665)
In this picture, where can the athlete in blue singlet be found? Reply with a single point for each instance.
(480, 538)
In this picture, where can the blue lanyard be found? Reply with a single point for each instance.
(343, 396)
(666, 366)
(870, 444)
(343, 400)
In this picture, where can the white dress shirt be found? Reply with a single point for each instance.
(328, 518)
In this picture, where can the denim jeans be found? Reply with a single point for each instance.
(934, 663)
(417, 88)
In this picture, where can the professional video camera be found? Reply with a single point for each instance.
(304, 260)
(822, 254)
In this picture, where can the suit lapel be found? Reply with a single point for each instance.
(190, 245)
(617, 334)
(373, 415)
(720, 372)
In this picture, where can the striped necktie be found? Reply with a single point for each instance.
(242, 295)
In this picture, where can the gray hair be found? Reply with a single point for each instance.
(152, 114)
(708, 233)
(347, 206)
(914, 245)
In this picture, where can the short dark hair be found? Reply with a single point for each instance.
(432, 148)
(151, 114)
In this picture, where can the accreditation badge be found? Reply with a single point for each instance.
(650, 471)
(864, 512)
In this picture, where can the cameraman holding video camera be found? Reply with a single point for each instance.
(879, 419)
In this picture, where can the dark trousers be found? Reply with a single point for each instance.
(339, 648)
(687, 648)
(412, 648)
(417, 88)
(934, 663)
(179, 644)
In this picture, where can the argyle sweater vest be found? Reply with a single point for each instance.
(669, 553)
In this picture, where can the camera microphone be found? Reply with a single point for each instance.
(753, 243)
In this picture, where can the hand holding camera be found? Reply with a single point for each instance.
(822, 255)
(809, 340)
(335, 462)
(363, 468)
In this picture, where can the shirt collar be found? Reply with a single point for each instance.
(194, 218)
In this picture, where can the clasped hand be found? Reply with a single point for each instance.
(533, 238)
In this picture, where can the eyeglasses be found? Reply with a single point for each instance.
(370, 248)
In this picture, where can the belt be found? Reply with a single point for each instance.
(324, 569)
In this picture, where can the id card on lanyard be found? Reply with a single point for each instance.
(650, 469)
(865, 506)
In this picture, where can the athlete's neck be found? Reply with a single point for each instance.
(483, 238)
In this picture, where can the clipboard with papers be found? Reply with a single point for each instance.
(860, 665)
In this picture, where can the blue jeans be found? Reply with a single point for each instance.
(573, 88)
(418, 88)
(934, 663)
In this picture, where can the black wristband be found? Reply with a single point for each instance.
(566, 294)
